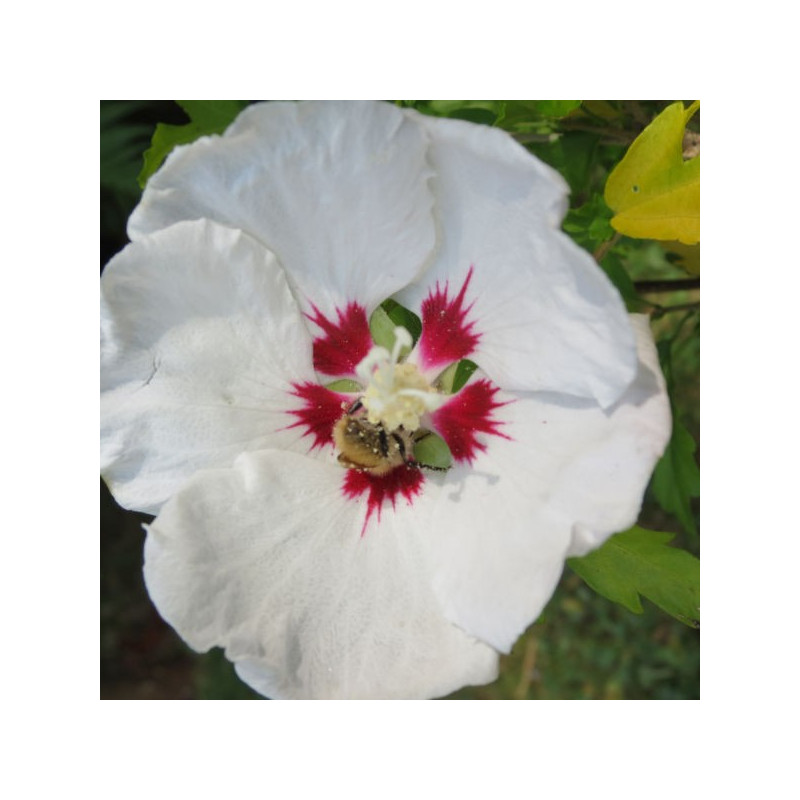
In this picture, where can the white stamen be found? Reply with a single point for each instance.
(396, 393)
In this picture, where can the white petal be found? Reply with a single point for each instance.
(547, 316)
(337, 190)
(268, 561)
(568, 476)
(201, 339)
(642, 424)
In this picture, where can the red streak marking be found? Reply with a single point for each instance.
(345, 343)
(321, 411)
(405, 481)
(469, 413)
(447, 336)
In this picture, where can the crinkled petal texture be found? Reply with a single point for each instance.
(337, 190)
(272, 560)
(267, 560)
(201, 340)
(566, 475)
(301, 218)
(544, 316)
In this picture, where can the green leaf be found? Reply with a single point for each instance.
(481, 116)
(206, 117)
(121, 145)
(212, 116)
(526, 111)
(217, 679)
(676, 479)
(112, 111)
(462, 109)
(640, 562)
(555, 108)
(613, 267)
(590, 224)
(432, 451)
(574, 155)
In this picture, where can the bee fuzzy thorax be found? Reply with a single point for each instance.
(369, 447)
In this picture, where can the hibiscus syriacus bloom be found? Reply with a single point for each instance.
(245, 403)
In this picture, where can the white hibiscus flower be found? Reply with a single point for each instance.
(295, 526)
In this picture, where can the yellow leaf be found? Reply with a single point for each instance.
(654, 192)
(688, 256)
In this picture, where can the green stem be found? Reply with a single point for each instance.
(601, 251)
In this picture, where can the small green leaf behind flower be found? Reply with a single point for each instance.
(640, 562)
(615, 270)
(676, 479)
(206, 117)
(590, 224)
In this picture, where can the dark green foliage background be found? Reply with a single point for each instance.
(583, 646)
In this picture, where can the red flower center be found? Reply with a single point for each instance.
(464, 421)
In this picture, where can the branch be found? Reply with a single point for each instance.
(612, 136)
(527, 668)
(661, 310)
(682, 284)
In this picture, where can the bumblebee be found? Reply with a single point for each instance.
(369, 447)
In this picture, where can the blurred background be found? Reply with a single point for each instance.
(583, 646)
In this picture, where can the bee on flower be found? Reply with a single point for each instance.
(300, 524)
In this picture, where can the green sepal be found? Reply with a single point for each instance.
(432, 451)
(381, 328)
(640, 562)
(345, 386)
(401, 316)
(455, 376)
(464, 372)
(388, 316)
(206, 117)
